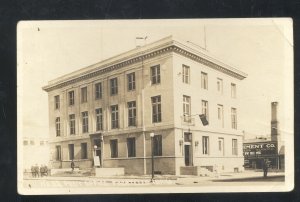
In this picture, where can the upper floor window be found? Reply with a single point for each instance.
(233, 118)
(156, 109)
(234, 147)
(131, 81)
(187, 108)
(155, 74)
(131, 113)
(71, 98)
(131, 147)
(114, 86)
(204, 80)
(157, 145)
(72, 124)
(98, 91)
(85, 122)
(233, 90)
(83, 94)
(56, 102)
(114, 148)
(185, 74)
(57, 126)
(205, 108)
(99, 119)
(220, 85)
(114, 117)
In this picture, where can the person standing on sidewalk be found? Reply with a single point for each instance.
(265, 167)
(72, 165)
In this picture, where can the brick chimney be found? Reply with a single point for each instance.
(274, 121)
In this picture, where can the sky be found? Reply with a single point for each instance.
(262, 48)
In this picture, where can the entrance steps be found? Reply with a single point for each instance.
(68, 172)
(101, 172)
(196, 170)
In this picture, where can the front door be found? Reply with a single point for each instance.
(187, 155)
(97, 150)
(188, 151)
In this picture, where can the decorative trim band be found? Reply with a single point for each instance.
(172, 48)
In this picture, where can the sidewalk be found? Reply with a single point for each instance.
(165, 179)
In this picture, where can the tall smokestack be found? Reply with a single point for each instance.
(274, 121)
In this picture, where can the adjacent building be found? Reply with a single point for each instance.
(35, 150)
(270, 148)
(109, 109)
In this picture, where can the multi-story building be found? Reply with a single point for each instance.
(110, 108)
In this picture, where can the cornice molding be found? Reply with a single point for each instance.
(139, 58)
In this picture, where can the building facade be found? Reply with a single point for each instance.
(269, 148)
(110, 108)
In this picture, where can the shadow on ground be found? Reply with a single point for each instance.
(279, 178)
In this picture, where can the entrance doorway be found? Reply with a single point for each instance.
(97, 149)
(188, 151)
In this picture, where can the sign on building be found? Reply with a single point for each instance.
(260, 149)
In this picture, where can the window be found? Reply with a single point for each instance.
(204, 80)
(31, 142)
(156, 109)
(185, 74)
(114, 117)
(71, 98)
(220, 115)
(98, 91)
(155, 74)
(233, 118)
(58, 153)
(99, 119)
(233, 90)
(83, 150)
(131, 147)
(221, 145)
(113, 148)
(220, 85)
(85, 122)
(41, 143)
(114, 86)
(72, 124)
(131, 81)
(131, 113)
(71, 151)
(57, 126)
(187, 137)
(157, 144)
(205, 145)
(234, 147)
(205, 108)
(25, 142)
(83, 94)
(187, 108)
(56, 102)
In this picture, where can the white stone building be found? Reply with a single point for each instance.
(161, 87)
